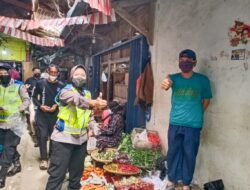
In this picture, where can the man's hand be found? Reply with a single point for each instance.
(45, 108)
(53, 108)
(166, 83)
(27, 86)
(99, 103)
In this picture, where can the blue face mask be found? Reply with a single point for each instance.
(186, 66)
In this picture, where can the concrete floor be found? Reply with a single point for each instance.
(31, 177)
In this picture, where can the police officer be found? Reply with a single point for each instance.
(13, 100)
(70, 135)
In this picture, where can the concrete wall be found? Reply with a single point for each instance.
(203, 25)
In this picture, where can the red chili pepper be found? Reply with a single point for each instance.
(128, 168)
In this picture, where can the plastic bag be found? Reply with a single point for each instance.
(139, 139)
(16, 122)
(161, 164)
(91, 144)
(214, 185)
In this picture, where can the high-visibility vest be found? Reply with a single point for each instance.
(75, 119)
(10, 101)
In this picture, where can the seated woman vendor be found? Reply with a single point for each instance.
(110, 131)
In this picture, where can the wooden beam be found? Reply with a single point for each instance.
(130, 20)
(128, 3)
(19, 4)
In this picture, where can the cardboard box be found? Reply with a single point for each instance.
(126, 79)
(121, 91)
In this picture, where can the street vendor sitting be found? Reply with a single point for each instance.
(109, 134)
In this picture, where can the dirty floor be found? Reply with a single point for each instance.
(31, 177)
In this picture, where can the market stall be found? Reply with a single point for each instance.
(130, 166)
(115, 74)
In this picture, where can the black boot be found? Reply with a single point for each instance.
(16, 169)
(3, 173)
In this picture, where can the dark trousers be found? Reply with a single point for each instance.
(10, 141)
(183, 145)
(45, 123)
(66, 157)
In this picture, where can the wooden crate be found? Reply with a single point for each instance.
(105, 58)
(116, 55)
(118, 77)
(125, 52)
(121, 91)
(126, 79)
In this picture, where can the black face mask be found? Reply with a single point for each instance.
(5, 80)
(37, 75)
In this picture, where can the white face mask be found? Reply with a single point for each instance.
(52, 78)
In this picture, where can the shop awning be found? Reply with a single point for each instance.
(103, 6)
(13, 32)
(19, 28)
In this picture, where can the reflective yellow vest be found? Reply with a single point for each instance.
(75, 119)
(10, 101)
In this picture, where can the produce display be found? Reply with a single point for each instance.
(140, 158)
(128, 168)
(87, 171)
(97, 187)
(126, 181)
(94, 187)
(154, 139)
(133, 183)
(105, 156)
(122, 169)
(121, 158)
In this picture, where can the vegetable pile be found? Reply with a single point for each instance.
(128, 168)
(121, 158)
(94, 187)
(87, 171)
(125, 169)
(107, 154)
(140, 158)
(133, 183)
(154, 139)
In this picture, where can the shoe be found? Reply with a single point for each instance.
(16, 169)
(36, 145)
(2, 183)
(3, 173)
(170, 186)
(43, 165)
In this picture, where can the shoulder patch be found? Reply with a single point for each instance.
(68, 86)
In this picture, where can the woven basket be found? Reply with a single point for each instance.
(106, 168)
(95, 153)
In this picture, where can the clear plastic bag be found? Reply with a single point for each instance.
(91, 144)
(139, 139)
(16, 122)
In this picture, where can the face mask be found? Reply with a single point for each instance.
(186, 66)
(52, 78)
(79, 81)
(37, 75)
(5, 80)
